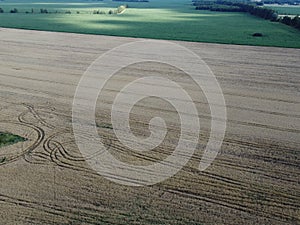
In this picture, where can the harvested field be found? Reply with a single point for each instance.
(44, 180)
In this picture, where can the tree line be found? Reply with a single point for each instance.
(11, 11)
(282, 2)
(42, 11)
(120, 9)
(253, 9)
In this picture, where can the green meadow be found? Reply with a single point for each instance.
(157, 19)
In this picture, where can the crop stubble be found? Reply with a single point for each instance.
(254, 179)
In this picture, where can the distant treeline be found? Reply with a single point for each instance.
(119, 10)
(130, 0)
(42, 11)
(253, 9)
(282, 2)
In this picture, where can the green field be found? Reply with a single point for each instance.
(286, 10)
(169, 19)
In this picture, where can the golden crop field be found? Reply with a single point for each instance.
(45, 180)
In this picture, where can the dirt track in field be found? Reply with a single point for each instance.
(254, 179)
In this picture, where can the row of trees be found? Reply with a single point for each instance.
(227, 6)
(130, 0)
(42, 11)
(294, 22)
(16, 11)
(11, 11)
(262, 12)
(282, 2)
(253, 9)
(103, 12)
(120, 9)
